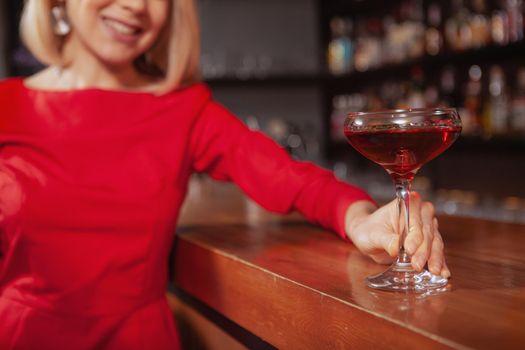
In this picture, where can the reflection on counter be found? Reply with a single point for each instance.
(447, 201)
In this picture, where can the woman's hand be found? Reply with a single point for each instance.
(375, 232)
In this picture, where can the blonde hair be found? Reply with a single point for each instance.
(174, 56)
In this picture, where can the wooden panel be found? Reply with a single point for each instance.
(197, 332)
(297, 286)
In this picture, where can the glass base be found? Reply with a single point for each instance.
(401, 277)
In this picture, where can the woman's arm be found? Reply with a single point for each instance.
(222, 146)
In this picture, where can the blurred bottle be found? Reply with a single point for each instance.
(369, 45)
(373, 100)
(390, 94)
(295, 143)
(338, 116)
(415, 29)
(415, 97)
(362, 55)
(514, 209)
(341, 106)
(278, 130)
(433, 36)
(375, 28)
(496, 109)
(448, 88)
(392, 47)
(458, 32)
(517, 121)
(479, 24)
(288, 135)
(452, 28)
(471, 117)
(431, 96)
(500, 27)
(405, 89)
(340, 53)
(396, 35)
(515, 19)
(252, 122)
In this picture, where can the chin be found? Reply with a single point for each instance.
(117, 56)
(118, 62)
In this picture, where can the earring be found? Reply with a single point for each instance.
(61, 25)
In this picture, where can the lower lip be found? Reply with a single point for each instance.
(118, 36)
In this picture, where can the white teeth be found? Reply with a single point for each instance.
(121, 27)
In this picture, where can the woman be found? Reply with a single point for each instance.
(96, 154)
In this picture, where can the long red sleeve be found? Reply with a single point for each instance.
(226, 149)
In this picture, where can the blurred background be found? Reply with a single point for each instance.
(294, 68)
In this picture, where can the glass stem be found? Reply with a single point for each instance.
(403, 200)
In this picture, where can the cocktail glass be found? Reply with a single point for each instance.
(402, 141)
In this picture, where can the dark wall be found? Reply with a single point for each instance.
(245, 43)
(497, 173)
(283, 34)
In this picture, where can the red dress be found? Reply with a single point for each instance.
(91, 183)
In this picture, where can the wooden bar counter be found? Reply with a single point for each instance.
(290, 285)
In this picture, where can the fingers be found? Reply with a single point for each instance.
(420, 215)
(445, 271)
(420, 240)
(393, 248)
(376, 236)
(377, 242)
(382, 258)
(424, 242)
(436, 262)
(388, 241)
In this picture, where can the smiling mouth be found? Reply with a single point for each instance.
(122, 28)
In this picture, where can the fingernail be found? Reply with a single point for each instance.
(393, 247)
(410, 248)
(421, 264)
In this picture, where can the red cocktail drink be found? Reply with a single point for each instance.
(402, 141)
(402, 152)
